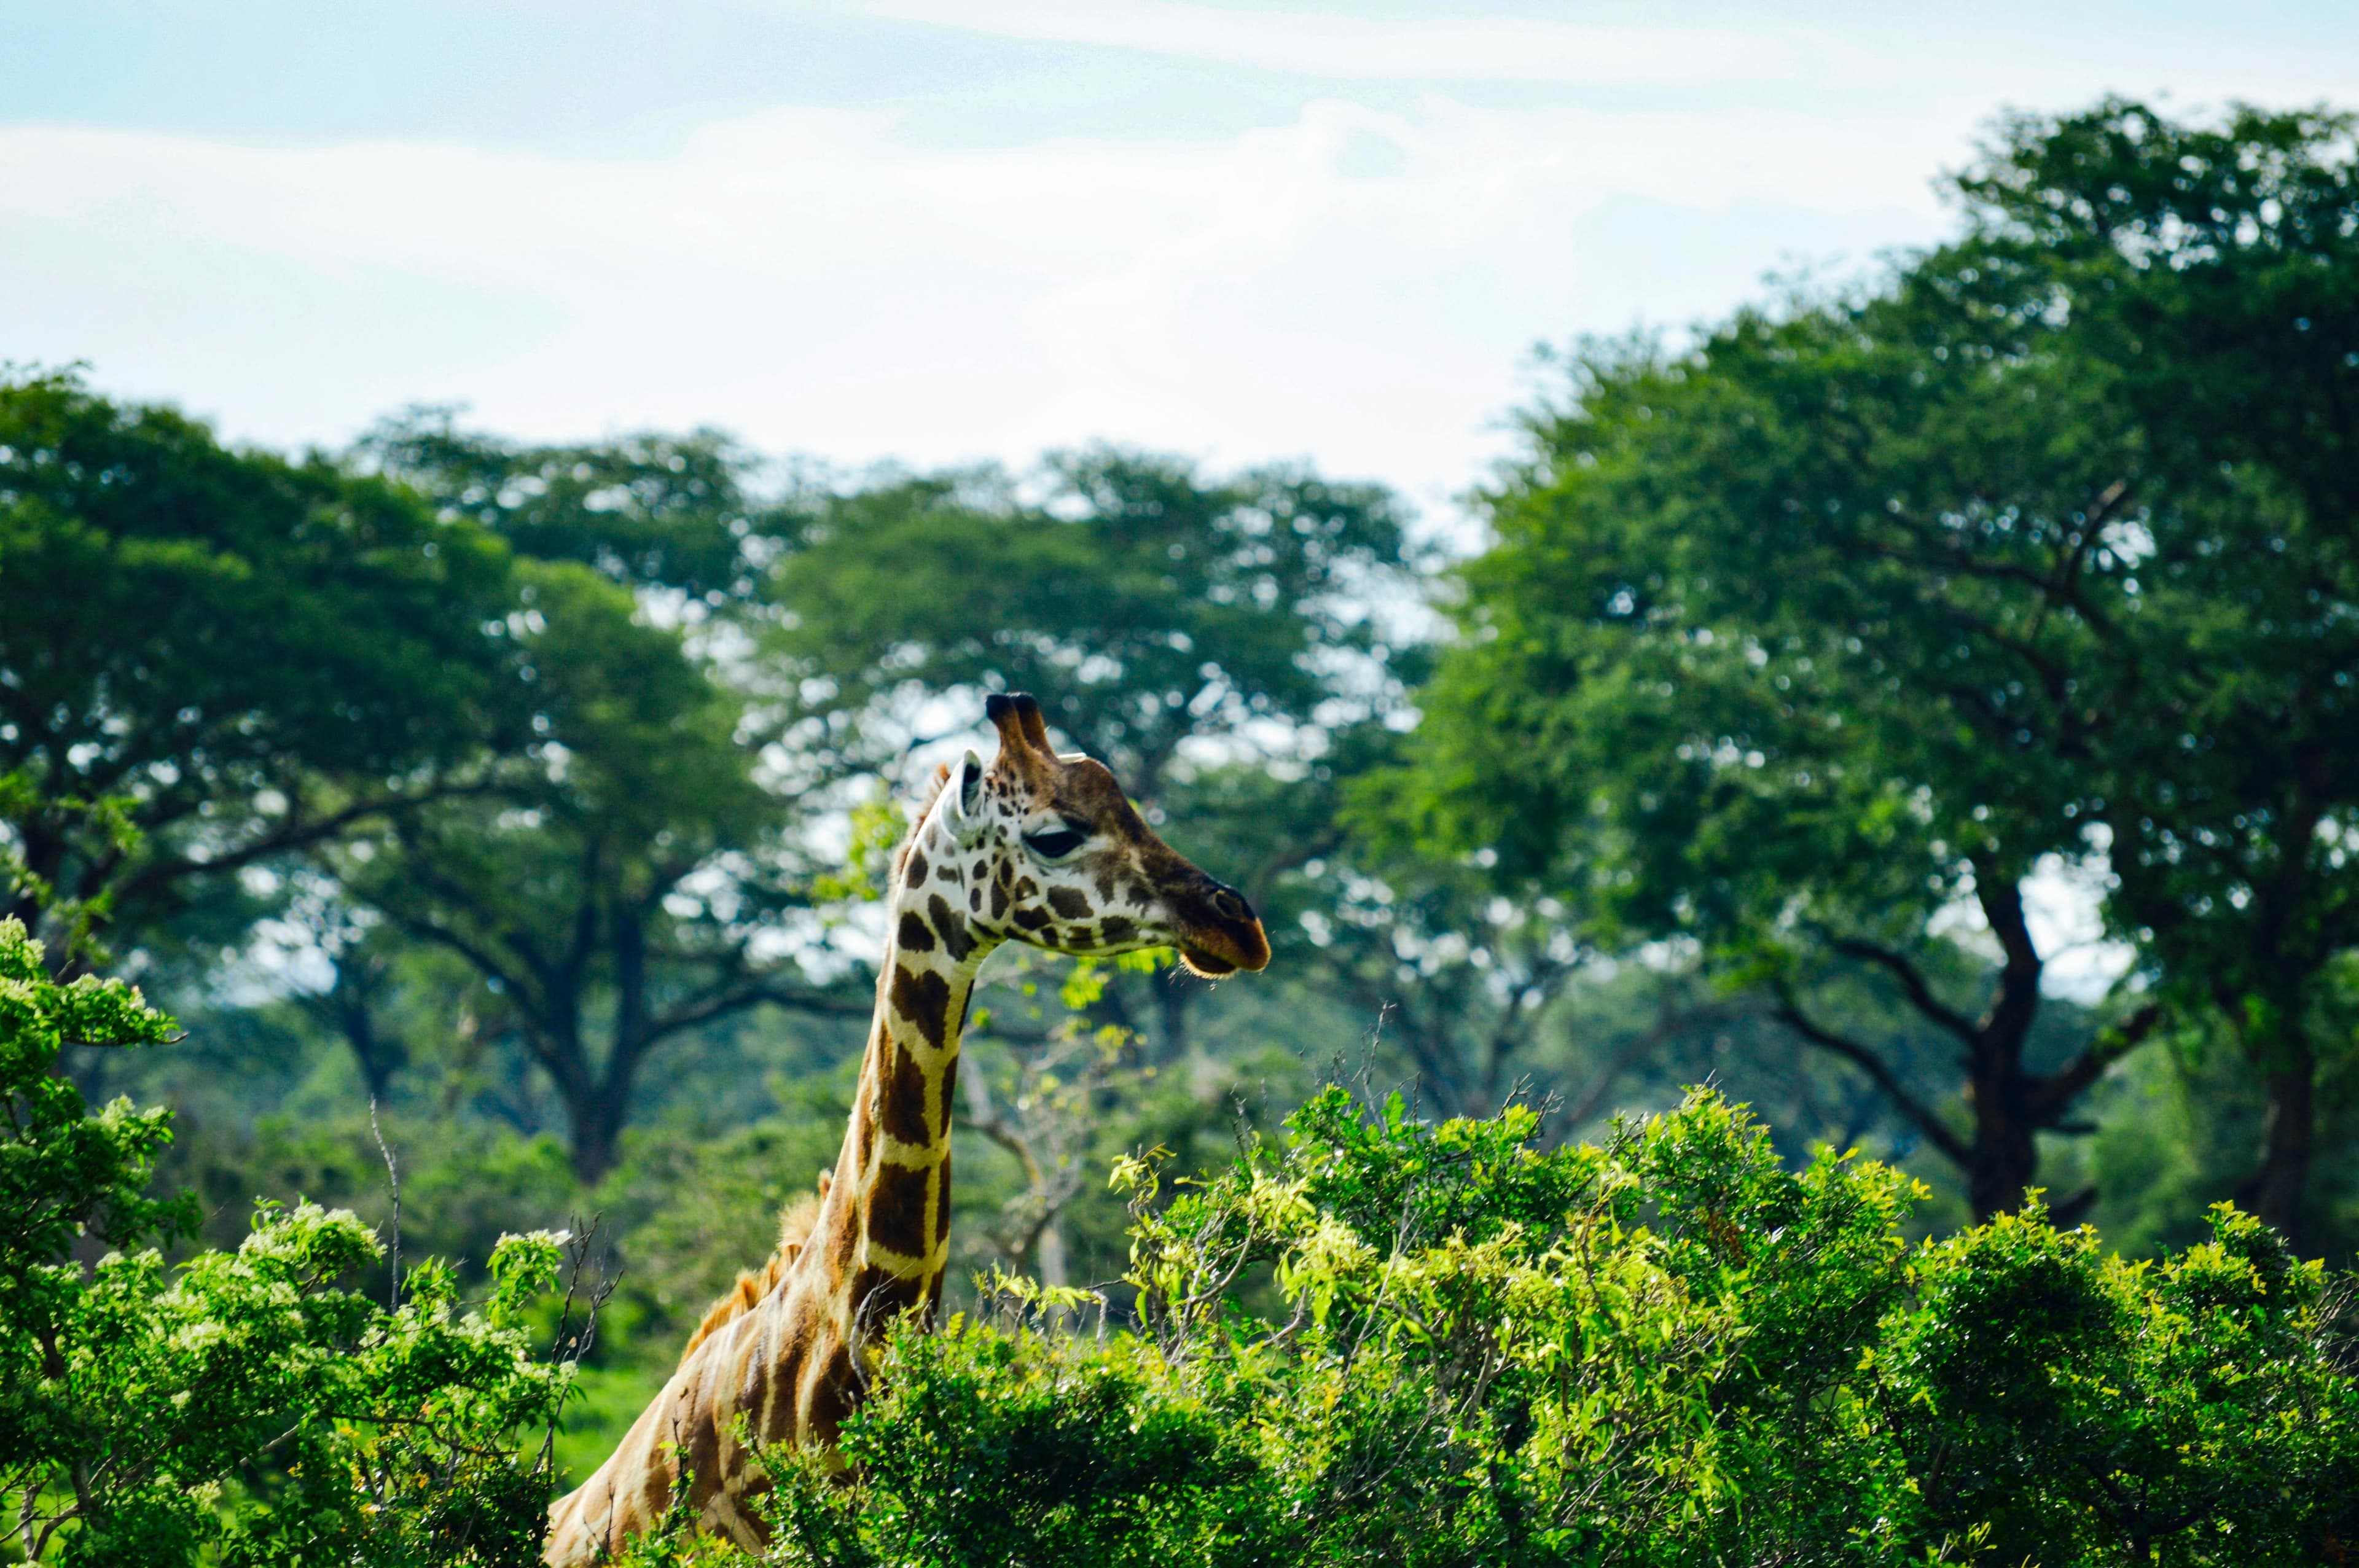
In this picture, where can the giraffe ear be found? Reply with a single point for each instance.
(962, 800)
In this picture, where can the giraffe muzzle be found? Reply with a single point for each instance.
(1227, 939)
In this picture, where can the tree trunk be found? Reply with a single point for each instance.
(2010, 1106)
(2004, 1157)
(595, 1119)
(2275, 1193)
(596, 1103)
(1049, 1249)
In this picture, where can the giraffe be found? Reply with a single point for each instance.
(1039, 848)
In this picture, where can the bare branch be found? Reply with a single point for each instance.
(1913, 982)
(1937, 1132)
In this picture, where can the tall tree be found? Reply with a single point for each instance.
(1748, 664)
(210, 658)
(1853, 615)
(2211, 276)
(611, 891)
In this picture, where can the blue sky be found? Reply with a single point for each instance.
(944, 230)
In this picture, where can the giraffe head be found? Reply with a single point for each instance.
(1050, 852)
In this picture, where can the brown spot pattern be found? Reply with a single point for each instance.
(905, 1100)
(879, 1295)
(925, 1002)
(779, 1419)
(897, 1209)
(917, 868)
(755, 1393)
(831, 1395)
(864, 1111)
(914, 936)
(946, 1089)
(1068, 903)
(942, 1205)
(957, 941)
(655, 1495)
(703, 1457)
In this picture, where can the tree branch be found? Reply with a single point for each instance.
(2051, 1094)
(1912, 980)
(1937, 1132)
(719, 1004)
(156, 873)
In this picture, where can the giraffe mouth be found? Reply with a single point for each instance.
(1209, 966)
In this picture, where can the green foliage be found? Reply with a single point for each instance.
(209, 657)
(647, 511)
(1388, 1341)
(2082, 1409)
(1142, 603)
(1863, 607)
(987, 1447)
(240, 1408)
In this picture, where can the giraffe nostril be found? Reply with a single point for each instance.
(1229, 906)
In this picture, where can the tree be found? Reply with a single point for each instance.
(651, 510)
(2211, 277)
(209, 659)
(2040, 548)
(1749, 663)
(1142, 603)
(611, 889)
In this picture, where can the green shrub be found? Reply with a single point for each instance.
(240, 1408)
(1385, 1342)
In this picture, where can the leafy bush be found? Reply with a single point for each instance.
(1387, 1342)
(240, 1408)
(1376, 1340)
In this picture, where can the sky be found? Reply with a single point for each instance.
(946, 230)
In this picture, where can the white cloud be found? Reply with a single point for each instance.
(1344, 48)
(1906, 60)
(1354, 285)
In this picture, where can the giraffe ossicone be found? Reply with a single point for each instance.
(1035, 848)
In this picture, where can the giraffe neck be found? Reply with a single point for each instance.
(889, 1211)
(788, 1372)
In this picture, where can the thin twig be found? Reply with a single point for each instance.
(393, 1178)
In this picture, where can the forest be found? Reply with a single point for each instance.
(1813, 1009)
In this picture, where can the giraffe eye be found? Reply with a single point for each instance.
(1054, 843)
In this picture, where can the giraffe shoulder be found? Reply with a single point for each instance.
(795, 1223)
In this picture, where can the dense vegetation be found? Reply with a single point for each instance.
(501, 822)
(1372, 1340)
(1671, 1349)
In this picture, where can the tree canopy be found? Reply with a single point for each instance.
(1862, 607)
(210, 658)
(1140, 600)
